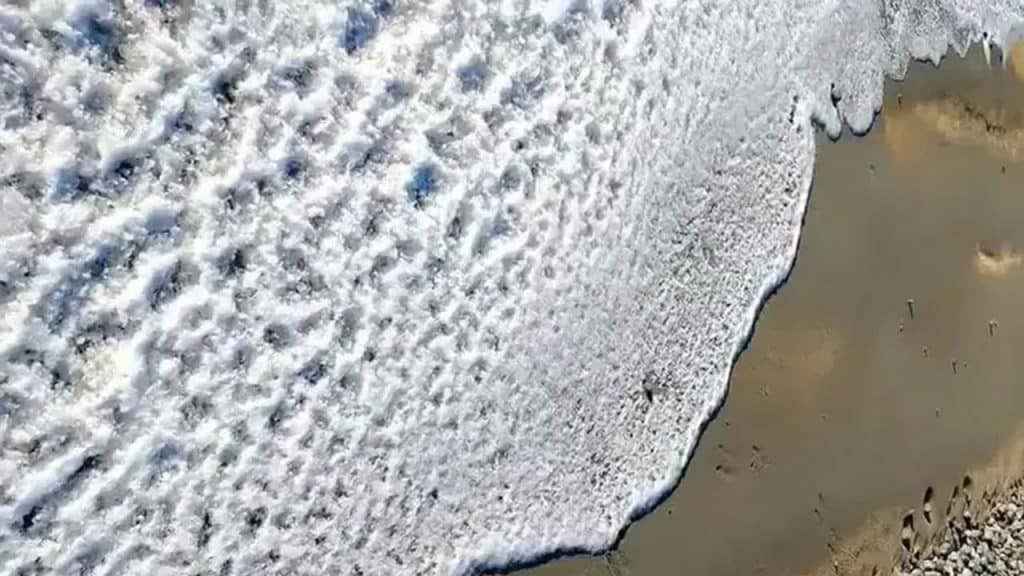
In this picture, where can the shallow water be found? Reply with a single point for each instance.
(847, 406)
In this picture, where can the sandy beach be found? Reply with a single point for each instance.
(882, 383)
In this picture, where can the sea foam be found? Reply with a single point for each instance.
(391, 287)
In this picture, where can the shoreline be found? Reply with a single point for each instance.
(880, 520)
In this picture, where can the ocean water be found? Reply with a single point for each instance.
(385, 287)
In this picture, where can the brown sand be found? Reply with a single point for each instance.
(847, 406)
(1016, 59)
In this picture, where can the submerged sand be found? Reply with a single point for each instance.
(885, 370)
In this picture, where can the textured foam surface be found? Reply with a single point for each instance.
(391, 287)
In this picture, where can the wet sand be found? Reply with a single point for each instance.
(889, 364)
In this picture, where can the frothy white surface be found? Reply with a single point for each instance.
(383, 287)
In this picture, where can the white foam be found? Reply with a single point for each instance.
(378, 287)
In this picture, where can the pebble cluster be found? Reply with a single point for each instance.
(973, 544)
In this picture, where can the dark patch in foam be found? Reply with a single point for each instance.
(101, 35)
(254, 519)
(166, 286)
(293, 167)
(360, 29)
(72, 183)
(46, 505)
(300, 75)
(383, 8)
(205, 531)
(234, 261)
(523, 92)
(473, 76)
(277, 335)
(396, 91)
(424, 181)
